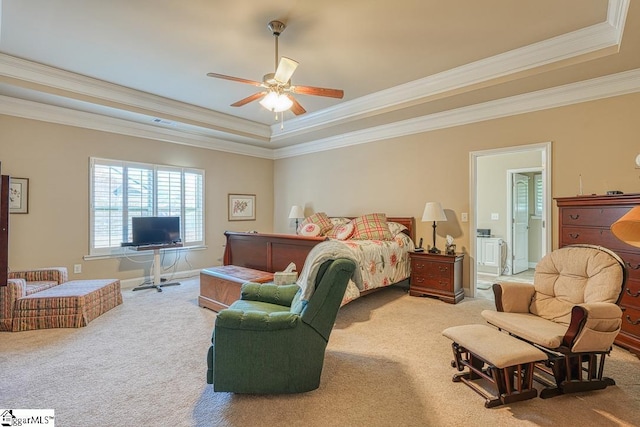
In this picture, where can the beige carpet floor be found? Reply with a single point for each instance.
(387, 364)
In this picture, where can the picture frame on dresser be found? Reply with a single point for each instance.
(587, 220)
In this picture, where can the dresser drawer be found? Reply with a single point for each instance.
(431, 269)
(592, 217)
(631, 294)
(431, 274)
(593, 236)
(424, 281)
(631, 321)
(632, 263)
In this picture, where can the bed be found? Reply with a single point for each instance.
(381, 262)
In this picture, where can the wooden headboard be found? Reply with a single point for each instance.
(274, 252)
(267, 252)
(407, 221)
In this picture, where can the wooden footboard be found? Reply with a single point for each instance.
(267, 252)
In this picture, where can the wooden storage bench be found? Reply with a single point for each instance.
(510, 363)
(220, 286)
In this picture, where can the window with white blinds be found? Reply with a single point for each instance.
(538, 191)
(121, 190)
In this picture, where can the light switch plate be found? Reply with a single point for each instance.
(495, 216)
(464, 217)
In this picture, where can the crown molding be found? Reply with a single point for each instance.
(61, 80)
(617, 15)
(65, 116)
(590, 90)
(596, 38)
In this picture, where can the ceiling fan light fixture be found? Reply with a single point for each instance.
(285, 70)
(276, 93)
(276, 102)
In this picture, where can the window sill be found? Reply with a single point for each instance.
(129, 252)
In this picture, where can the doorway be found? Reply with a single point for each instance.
(511, 204)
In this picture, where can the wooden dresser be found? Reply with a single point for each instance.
(586, 219)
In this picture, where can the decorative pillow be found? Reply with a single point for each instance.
(344, 231)
(371, 227)
(312, 230)
(319, 218)
(396, 228)
(337, 220)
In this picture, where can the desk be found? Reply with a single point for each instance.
(157, 283)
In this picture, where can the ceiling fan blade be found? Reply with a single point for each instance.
(318, 91)
(285, 70)
(296, 108)
(248, 99)
(234, 79)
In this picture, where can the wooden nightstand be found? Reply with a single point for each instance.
(437, 275)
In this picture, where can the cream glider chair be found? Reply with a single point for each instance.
(569, 312)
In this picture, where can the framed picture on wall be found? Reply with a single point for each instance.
(242, 207)
(19, 195)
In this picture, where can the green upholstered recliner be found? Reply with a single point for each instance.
(271, 341)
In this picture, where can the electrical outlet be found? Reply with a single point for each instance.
(464, 217)
(495, 216)
(77, 268)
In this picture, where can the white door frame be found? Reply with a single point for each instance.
(545, 152)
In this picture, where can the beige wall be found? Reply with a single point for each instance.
(597, 139)
(55, 158)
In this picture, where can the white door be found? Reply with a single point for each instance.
(520, 254)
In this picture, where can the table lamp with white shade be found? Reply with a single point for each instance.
(433, 212)
(297, 213)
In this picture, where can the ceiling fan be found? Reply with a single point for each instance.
(278, 90)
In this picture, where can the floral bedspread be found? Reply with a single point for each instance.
(381, 262)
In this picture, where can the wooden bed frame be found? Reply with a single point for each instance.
(274, 252)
